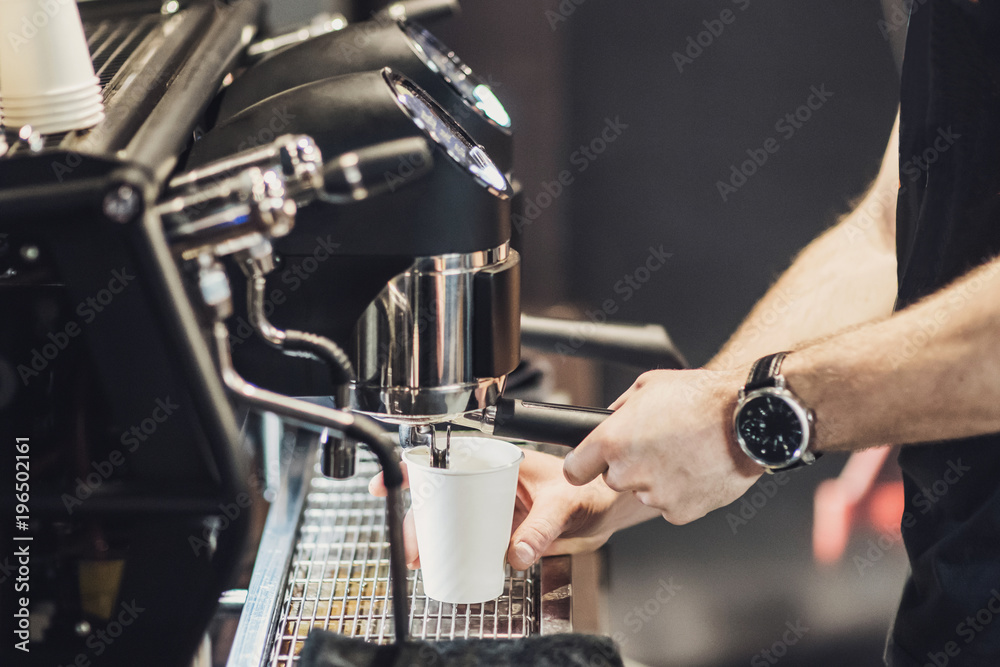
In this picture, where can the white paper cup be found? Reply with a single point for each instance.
(89, 95)
(78, 110)
(83, 91)
(53, 123)
(463, 516)
(44, 58)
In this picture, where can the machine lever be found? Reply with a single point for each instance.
(376, 169)
(546, 422)
(641, 345)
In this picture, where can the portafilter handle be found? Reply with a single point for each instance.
(537, 422)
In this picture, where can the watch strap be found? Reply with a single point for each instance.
(764, 371)
(800, 463)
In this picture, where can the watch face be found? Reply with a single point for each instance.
(770, 429)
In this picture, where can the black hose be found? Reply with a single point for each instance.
(325, 350)
(361, 428)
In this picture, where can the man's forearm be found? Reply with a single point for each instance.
(930, 372)
(844, 278)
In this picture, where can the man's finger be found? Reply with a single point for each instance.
(544, 523)
(376, 486)
(410, 541)
(620, 401)
(585, 462)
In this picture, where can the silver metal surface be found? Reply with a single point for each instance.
(338, 581)
(260, 614)
(440, 455)
(296, 157)
(229, 216)
(320, 24)
(483, 421)
(256, 263)
(346, 424)
(413, 345)
(416, 435)
(233, 600)
(272, 432)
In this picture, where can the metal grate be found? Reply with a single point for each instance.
(112, 42)
(339, 580)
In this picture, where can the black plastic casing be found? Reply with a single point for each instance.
(340, 256)
(362, 47)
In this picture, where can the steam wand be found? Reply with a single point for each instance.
(355, 427)
(338, 454)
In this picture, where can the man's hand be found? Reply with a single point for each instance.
(670, 442)
(551, 516)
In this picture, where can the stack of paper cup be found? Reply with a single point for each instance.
(46, 74)
(463, 517)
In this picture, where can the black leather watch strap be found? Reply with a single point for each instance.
(764, 371)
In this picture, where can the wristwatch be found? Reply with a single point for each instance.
(773, 426)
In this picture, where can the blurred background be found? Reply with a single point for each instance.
(648, 105)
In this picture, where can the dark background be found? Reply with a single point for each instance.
(656, 184)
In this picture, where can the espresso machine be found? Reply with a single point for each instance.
(334, 257)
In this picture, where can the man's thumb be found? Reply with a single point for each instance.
(543, 525)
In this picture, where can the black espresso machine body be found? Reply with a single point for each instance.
(417, 282)
(131, 481)
(403, 46)
(135, 509)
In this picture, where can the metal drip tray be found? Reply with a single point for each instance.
(337, 579)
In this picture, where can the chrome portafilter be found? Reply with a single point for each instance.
(424, 435)
(509, 419)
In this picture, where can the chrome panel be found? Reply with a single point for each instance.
(413, 345)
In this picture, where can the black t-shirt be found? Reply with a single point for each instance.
(948, 222)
